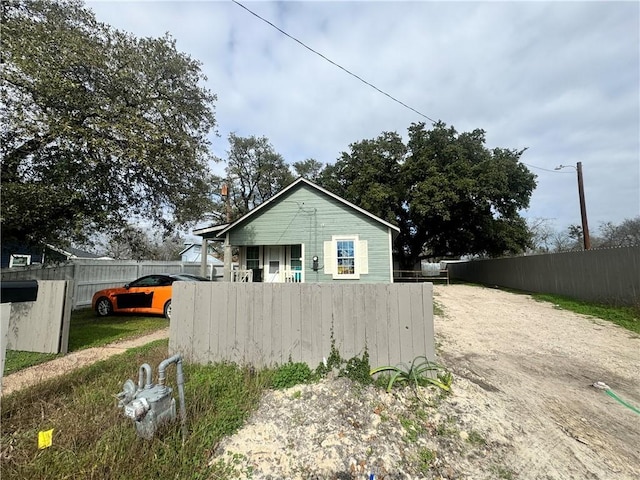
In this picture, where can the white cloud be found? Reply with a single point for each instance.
(562, 78)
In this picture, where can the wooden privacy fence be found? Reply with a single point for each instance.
(265, 324)
(89, 276)
(605, 276)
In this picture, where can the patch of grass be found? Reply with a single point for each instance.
(17, 360)
(438, 310)
(502, 472)
(85, 331)
(626, 317)
(426, 457)
(413, 429)
(476, 439)
(93, 439)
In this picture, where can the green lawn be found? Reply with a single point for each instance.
(626, 317)
(93, 439)
(86, 331)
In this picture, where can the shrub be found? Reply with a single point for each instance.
(290, 374)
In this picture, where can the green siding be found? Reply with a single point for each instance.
(309, 217)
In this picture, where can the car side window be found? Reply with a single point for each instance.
(146, 282)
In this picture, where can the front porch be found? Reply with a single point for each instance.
(270, 264)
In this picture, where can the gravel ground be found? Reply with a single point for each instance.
(523, 406)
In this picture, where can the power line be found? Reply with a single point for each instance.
(545, 169)
(334, 63)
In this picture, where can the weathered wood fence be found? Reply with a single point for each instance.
(605, 275)
(89, 276)
(43, 325)
(265, 324)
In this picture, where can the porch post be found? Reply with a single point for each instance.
(204, 255)
(227, 259)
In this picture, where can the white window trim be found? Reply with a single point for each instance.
(14, 257)
(361, 261)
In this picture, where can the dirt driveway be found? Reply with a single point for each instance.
(536, 365)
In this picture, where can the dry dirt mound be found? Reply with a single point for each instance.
(522, 407)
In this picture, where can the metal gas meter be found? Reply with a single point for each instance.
(149, 405)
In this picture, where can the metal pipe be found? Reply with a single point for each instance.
(144, 368)
(177, 359)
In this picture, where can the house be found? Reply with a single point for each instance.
(307, 234)
(192, 253)
(22, 255)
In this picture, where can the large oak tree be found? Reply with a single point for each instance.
(449, 194)
(255, 173)
(99, 126)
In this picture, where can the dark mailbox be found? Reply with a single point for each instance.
(16, 291)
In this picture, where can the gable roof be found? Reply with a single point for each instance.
(221, 230)
(72, 253)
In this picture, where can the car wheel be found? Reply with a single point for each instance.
(104, 307)
(167, 310)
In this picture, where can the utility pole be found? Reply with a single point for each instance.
(583, 209)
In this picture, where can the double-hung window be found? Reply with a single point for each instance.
(253, 257)
(346, 257)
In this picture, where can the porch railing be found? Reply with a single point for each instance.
(290, 275)
(242, 276)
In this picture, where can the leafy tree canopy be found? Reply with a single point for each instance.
(449, 194)
(98, 126)
(309, 169)
(255, 172)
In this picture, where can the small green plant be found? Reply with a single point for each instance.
(419, 373)
(426, 458)
(413, 429)
(290, 374)
(446, 428)
(233, 466)
(356, 368)
(475, 438)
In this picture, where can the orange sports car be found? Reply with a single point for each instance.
(148, 294)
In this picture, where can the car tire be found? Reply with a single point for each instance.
(167, 310)
(104, 307)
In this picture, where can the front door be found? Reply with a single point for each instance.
(273, 263)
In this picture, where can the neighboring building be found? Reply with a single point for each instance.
(16, 255)
(192, 252)
(308, 234)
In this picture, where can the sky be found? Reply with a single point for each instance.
(561, 79)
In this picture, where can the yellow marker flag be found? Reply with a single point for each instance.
(45, 439)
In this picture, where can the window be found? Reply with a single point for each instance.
(296, 257)
(253, 257)
(19, 260)
(346, 257)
